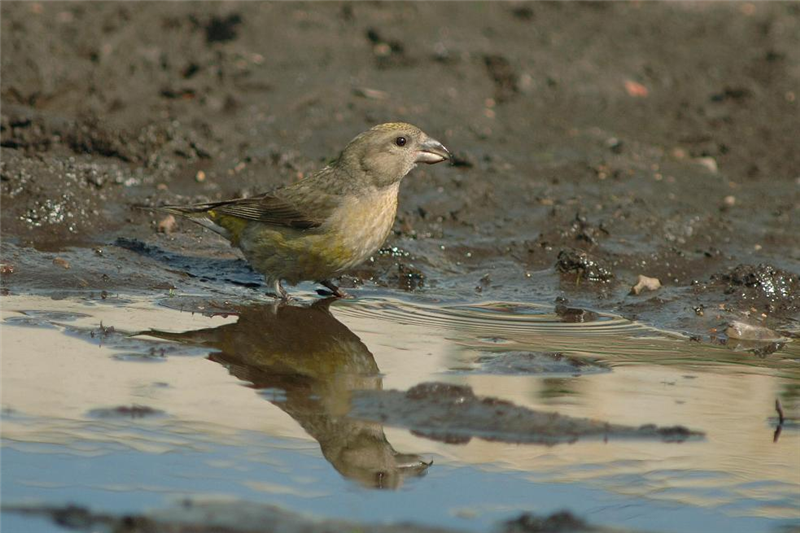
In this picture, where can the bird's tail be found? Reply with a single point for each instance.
(189, 211)
(197, 213)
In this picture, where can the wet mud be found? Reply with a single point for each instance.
(226, 517)
(581, 165)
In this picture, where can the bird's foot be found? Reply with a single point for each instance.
(334, 290)
(279, 292)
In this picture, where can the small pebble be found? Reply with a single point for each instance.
(709, 162)
(747, 332)
(63, 263)
(645, 284)
(167, 224)
(371, 94)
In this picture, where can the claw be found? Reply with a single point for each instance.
(279, 292)
(335, 291)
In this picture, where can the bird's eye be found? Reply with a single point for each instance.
(400, 141)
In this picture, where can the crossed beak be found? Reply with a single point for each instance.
(432, 151)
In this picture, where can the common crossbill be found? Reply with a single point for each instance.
(318, 228)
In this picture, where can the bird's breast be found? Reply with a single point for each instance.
(362, 224)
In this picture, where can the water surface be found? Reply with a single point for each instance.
(127, 406)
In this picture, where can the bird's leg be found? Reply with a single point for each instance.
(339, 293)
(279, 291)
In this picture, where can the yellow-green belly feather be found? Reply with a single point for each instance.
(353, 233)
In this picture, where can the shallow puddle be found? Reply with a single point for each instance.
(121, 408)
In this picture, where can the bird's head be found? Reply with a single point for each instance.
(385, 153)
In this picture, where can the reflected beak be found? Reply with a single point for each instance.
(432, 151)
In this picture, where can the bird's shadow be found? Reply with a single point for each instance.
(207, 269)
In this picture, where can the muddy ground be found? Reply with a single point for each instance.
(225, 517)
(595, 142)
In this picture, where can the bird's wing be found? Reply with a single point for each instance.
(303, 205)
(266, 208)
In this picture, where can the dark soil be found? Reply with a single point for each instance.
(638, 138)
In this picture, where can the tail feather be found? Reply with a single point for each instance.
(197, 213)
(190, 211)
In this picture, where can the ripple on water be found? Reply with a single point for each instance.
(507, 326)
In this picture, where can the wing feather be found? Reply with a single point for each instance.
(266, 208)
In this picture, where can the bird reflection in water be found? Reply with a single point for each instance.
(317, 362)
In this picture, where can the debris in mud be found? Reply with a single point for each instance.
(61, 262)
(573, 314)
(126, 411)
(519, 362)
(645, 283)
(762, 285)
(453, 414)
(407, 277)
(748, 332)
(463, 159)
(222, 29)
(370, 94)
(483, 283)
(167, 224)
(615, 145)
(636, 89)
(709, 163)
(199, 516)
(561, 522)
(728, 202)
(388, 52)
(504, 77)
(582, 230)
(6, 269)
(758, 348)
(582, 265)
(523, 12)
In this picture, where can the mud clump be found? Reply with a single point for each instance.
(222, 29)
(561, 522)
(583, 265)
(31, 131)
(407, 277)
(764, 286)
(504, 77)
(247, 517)
(389, 53)
(454, 414)
(573, 315)
(536, 363)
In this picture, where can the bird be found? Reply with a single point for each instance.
(327, 223)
